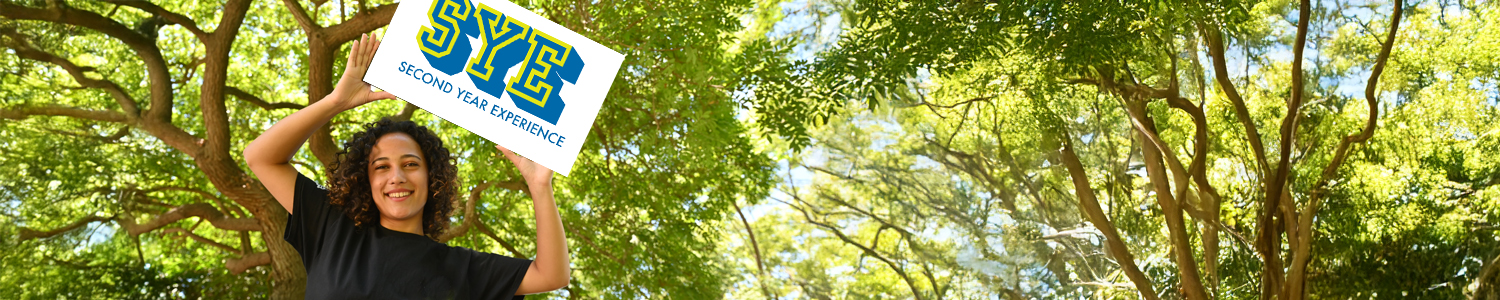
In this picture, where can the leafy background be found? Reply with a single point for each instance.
(827, 149)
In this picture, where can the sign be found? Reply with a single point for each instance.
(500, 71)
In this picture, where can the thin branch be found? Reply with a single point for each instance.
(955, 104)
(185, 233)
(174, 18)
(1171, 207)
(236, 212)
(917, 294)
(108, 139)
(761, 266)
(491, 233)
(573, 231)
(362, 22)
(242, 95)
(28, 233)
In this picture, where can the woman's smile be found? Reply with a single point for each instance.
(398, 195)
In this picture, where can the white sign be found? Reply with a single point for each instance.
(500, 71)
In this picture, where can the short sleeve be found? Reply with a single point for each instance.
(311, 215)
(495, 276)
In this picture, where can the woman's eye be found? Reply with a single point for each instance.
(381, 167)
(411, 164)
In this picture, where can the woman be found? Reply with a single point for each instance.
(372, 234)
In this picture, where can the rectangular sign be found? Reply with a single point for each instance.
(500, 71)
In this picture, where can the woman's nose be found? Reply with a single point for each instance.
(400, 177)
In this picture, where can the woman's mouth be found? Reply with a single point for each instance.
(398, 196)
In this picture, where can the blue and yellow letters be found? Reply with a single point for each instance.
(549, 62)
(546, 62)
(445, 42)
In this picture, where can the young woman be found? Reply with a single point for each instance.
(371, 235)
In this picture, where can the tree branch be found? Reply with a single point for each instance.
(235, 211)
(23, 112)
(406, 112)
(245, 262)
(362, 22)
(145, 48)
(759, 265)
(469, 216)
(917, 294)
(215, 75)
(174, 18)
(28, 233)
(1215, 42)
(1171, 207)
(1302, 248)
(503, 244)
(242, 95)
(201, 210)
(108, 139)
(185, 233)
(22, 47)
(1089, 202)
(1269, 240)
(323, 43)
(514, 185)
(300, 14)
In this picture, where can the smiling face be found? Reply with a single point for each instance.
(398, 179)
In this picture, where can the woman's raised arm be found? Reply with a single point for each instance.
(269, 155)
(551, 270)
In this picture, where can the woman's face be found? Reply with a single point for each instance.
(398, 177)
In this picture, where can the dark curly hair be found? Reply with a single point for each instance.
(349, 181)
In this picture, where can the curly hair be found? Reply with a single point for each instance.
(349, 181)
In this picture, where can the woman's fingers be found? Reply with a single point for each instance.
(374, 45)
(530, 170)
(353, 54)
(364, 49)
(377, 96)
(370, 45)
(508, 155)
(513, 157)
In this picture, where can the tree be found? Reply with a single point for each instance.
(136, 113)
(1117, 96)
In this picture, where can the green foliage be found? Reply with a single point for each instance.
(1409, 215)
(919, 146)
(664, 162)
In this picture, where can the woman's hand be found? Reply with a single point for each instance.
(352, 91)
(535, 174)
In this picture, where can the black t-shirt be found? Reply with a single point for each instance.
(348, 262)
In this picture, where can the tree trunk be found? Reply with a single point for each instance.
(288, 277)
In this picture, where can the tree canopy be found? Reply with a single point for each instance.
(828, 149)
